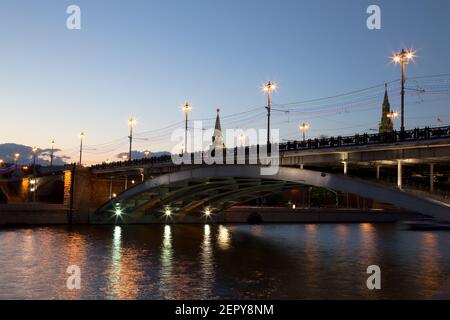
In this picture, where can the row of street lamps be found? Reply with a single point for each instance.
(403, 57)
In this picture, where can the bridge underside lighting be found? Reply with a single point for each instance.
(167, 212)
(207, 212)
(118, 211)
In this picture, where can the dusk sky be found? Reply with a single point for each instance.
(146, 58)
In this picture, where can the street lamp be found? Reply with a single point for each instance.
(268, 87)
(131, 123)
(82, 136)
(403, 57)
(303, 128)
(16, 158)
(146, 153)
(34, 150)
(51, 153)
(392, 115)
(186, 108)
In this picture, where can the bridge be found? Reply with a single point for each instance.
(190, 189)
(373, 166)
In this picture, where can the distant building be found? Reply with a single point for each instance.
(217, 138)
(386, 124)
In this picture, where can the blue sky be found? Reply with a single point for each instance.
(145, 58)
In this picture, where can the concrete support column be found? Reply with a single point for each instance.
(345, 166)
(431, 177)
(126, 182)
(80, 197)
(378, 171)
(399, 174)
(301, 166)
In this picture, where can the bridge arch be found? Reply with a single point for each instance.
(240, 181)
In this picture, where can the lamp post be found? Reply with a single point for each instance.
(186, 108)
(403, 57)
(303, 128)
(82, 136)
(34, 186)
(34, 151)
(146, 153)
(51, 153)
(131, 123)
(268, 87)
(16, 158)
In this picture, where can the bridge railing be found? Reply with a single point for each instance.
(365, 139)
(368, 139)
(135, 162)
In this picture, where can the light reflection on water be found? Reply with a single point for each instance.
(116, 264)
(223, 238)
(166, 276)
(217, 261)
(207, 264)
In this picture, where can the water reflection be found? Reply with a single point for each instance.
(256, 230)
(116, 266)
(207, 263)
(312, 259)
(368, 256)
(223, 238)
(324, 261)
(429, 260)
(75, 251)
(342, 231)
(166, 258)
(367, 241)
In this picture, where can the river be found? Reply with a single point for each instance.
(269, 261)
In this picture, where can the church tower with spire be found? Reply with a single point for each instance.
(386, 124)
(217, 138)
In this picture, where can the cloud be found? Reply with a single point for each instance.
(8, 150)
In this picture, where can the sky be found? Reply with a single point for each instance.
(146, 58)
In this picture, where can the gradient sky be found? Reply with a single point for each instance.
(145, 58)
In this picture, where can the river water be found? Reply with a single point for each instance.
(279, 261)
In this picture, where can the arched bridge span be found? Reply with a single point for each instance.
(222, 186)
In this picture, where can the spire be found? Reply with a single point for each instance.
(386, 124)
(217, 126)
(386, 98)
(217, 138)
